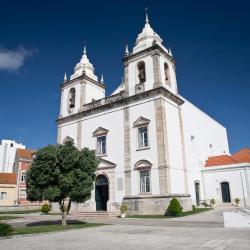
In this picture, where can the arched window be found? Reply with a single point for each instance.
(72, 97)
(141, 72)
(166, 73)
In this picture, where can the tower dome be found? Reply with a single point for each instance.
(84, 66)
(146, 37)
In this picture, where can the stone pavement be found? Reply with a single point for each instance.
(201, 231)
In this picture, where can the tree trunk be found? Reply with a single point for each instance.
(64, 219)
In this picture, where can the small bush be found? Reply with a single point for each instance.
(6, 230)
(204, 203)
(174, 208)
(212, 202)
(237, 201)
(193, 206)
(124, 208)
(45, 208)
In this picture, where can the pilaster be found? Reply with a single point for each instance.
(157, 69)
(162, 147)
(127, 157)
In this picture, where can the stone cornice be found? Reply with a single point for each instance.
(81, 78)
(154, 48)
(103, 104)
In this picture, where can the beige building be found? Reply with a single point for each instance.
(7, 189)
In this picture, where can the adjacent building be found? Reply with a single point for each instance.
(152, 142)
(226, 177)
(8, 189)
(23, 160)
(7, 155)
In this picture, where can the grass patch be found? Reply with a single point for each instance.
(21, 211)
(197, 210)
(9, 217)
(47, 227)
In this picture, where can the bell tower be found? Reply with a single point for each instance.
(149, 65)
(83, 87)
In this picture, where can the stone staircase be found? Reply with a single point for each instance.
(97, 214)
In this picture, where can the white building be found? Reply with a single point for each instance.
(151, 141)
(7, 155)
(227, 177)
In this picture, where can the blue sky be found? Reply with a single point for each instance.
(40, 40)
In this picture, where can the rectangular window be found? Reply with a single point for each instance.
(145, 181)
(143, 137)
(23, 177)
(3, 196)
(22, 193)
(101, 145)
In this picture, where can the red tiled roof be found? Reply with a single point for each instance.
(25, 153)
(240, 157)
(7, 178)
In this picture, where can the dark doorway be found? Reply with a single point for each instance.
(197, 192)
(225, 192)
(101, 192)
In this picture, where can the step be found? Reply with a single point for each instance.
(98, 214)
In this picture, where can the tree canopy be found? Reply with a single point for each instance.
(62, 173)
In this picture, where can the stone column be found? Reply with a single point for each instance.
(162, 147)
(59, 135)
(79, 135)
(82, 94)
(157, 69)
(61, 103)
(127, 159)
(126, 77)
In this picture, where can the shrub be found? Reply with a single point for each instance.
(45, 208)
(204, 203)
(174, 208)
(193, 206)
(212, 202)
(124, 208)
(6, 229)
(237, 201)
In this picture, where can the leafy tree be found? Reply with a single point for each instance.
(63, 174)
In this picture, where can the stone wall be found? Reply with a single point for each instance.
(155, 204)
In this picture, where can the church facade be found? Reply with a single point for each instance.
(152, 142)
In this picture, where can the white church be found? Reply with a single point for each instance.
(152, 142)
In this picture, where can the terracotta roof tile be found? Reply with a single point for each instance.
(25, 153)
(7, 178)
(239, 157)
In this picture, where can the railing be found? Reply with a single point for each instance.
(103, 101)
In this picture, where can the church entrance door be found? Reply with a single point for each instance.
(225, 191)
(101, 193)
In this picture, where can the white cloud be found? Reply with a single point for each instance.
(12, 60)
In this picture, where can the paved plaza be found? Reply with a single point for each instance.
(201, 231)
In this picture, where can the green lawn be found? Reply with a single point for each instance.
(197, 210)
(9, 217)
(21, 211)
(52, 228)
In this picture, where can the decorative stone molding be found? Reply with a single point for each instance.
(121, 102)
(79, 135)
(157, 69)
(100, 131)
(127, 156)
(105, 164)
(141, 121)
(139, 88)
(142, 164)
(162, 147)
(59, 135)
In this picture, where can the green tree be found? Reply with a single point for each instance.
(63, 174)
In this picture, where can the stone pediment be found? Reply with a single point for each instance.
(105, 164)
(143, 164)
(100, 131)
(141, 121)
